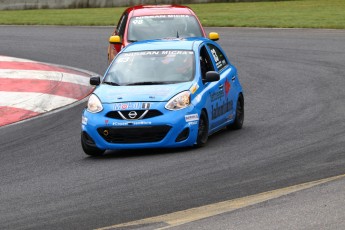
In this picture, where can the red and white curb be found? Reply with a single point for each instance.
(29, 88)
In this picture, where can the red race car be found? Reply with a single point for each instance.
(146, 22)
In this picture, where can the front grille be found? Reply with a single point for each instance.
(141, 114)
(144, 134)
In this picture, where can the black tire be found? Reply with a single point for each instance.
(239, 117)
(202, 130)
(90, 150)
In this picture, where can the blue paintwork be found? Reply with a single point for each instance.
(211, 97)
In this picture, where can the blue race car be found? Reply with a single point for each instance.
(162, 94)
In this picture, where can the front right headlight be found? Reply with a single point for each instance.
(180, 101)
(94, 105)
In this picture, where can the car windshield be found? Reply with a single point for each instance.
(151, 67)
(163, 26)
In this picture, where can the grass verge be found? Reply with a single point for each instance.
(280, 14)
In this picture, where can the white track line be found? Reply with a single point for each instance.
(12, 59)
(37, 102)
(45, 75)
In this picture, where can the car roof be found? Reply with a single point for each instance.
(166, 44)
(147, 10)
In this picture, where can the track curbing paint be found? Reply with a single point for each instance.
(30, 88)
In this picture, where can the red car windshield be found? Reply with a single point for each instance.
(163, 26)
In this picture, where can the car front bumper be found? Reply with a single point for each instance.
(169, 130)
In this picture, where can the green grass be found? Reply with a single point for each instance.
(282, 14)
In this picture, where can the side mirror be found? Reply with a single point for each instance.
(212, 76)
(95, 80)
(213, 36)
(115, 39)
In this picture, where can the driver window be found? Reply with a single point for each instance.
(218, 57)
(205, 62)
(120, 29)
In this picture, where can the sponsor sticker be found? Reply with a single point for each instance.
(194, 88)
(191, 117)
(145, 105)
(227, 87)
(84, 120)
(198, 98)
(162, 16)
(221, 108)
(132, 123)
(217, 95)
(124, 56)
(131, 106)
(193, 123)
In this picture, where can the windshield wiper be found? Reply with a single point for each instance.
(110, 83)
(152, 83)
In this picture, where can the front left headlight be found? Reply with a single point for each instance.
(180, 101)
(94, 105)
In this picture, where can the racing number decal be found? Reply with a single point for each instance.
(216, 59)
(125, 59)
(215, 56)
(139, 22)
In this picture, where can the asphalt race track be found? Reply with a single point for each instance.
(294, 132)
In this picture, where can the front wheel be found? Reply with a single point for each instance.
(89, 147)
(239, 117)
(202, 130)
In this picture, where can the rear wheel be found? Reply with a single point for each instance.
(239, 117)
(202, 130)
(89, 147)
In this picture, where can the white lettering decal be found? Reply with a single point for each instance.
(132, 123)
(84, 120)
(162, 16)
(215, 56)
(139, 22)
(192, 117)
(126, 106)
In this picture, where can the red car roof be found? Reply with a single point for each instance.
(146, 10)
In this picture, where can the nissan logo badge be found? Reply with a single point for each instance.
(132, 114)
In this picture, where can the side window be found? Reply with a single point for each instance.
(218, 56)
(120, 29)
(205, 62)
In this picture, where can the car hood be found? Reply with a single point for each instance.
(115, 94)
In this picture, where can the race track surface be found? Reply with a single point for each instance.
(294, 132)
